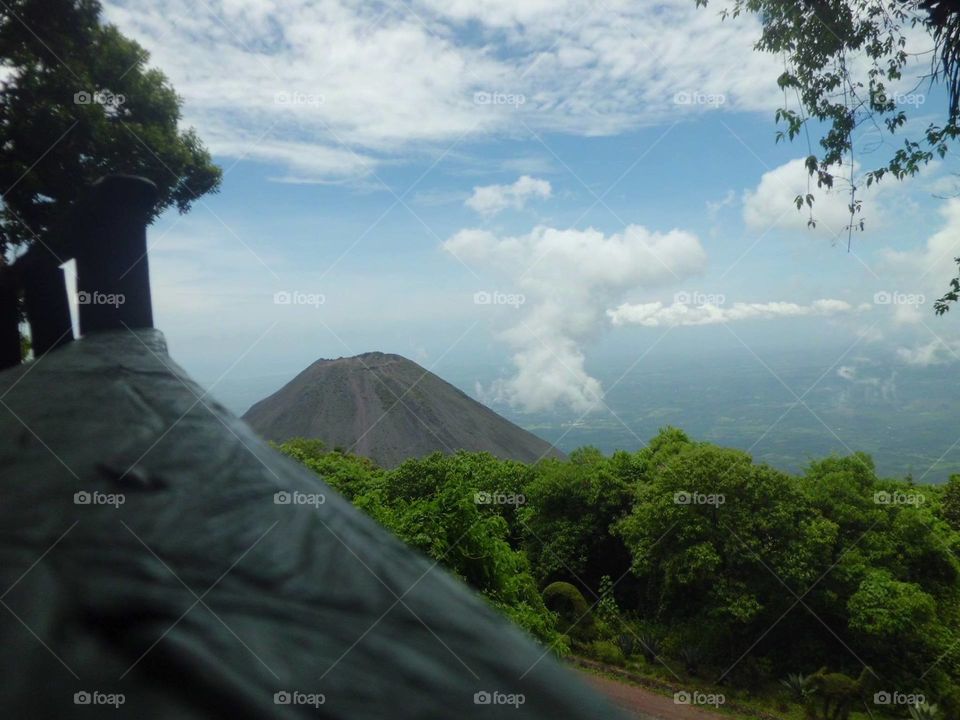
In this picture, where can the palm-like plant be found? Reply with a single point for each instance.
(799, 686)
(923, 711)
(691, 656)
(627, 644)
(651, 644)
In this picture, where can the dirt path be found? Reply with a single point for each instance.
(644, 704)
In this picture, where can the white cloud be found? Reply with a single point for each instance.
(911, 280)
(870, 334)
(715, 206)
(261, 79)
(865, 384)
(771, 204)
(935, 352)
(569, 278)
(657, 314)
(931, 265)
(914, 278)
(491, 199)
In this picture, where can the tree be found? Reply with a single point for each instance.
(567, 519)
(951, 502)
(843, 60)
(448, 507)
(77, 102)
(892, 578)
(714, 540)
(730, 566)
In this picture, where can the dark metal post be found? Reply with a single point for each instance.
(45, 297)
(113, 280)
(9, 323)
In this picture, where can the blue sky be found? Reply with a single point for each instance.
(614, 167)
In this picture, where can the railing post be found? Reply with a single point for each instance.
(45, 298)
(113, 279)
(9, 323)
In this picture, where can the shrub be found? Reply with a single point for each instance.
(571, 607)
(691, 656)
(606, 652)
(923, 711)
(798, 685)
(651, 644)
(607, 608)
(627, 644)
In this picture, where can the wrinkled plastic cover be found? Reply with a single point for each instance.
(149, 569)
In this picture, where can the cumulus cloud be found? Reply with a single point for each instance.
(569, 278)
(715, 206)
(935, 352)
(870, 334)
(379, 78)
(862, 383)
(657, 314)
(932, 263)
(847, 372)
(913, 278)
(491, 199)
(770, 205)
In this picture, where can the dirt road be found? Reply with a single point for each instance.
(645, 704)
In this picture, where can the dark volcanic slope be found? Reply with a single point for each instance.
(353, 403)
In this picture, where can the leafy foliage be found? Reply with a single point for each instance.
(951, 502)
(843, 60)
(432, 504)
(923, 711)
(798, 685)
(78, 102)
(570, 606)
(694, 557)
(569, 512)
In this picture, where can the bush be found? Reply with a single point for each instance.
(569, 604)
(606, 652)
(798, 686)
(651, 644)
(627, 644)
(692, 658)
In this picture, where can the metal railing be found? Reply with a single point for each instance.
(106, 236)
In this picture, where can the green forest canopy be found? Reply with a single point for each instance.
(692, 554)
